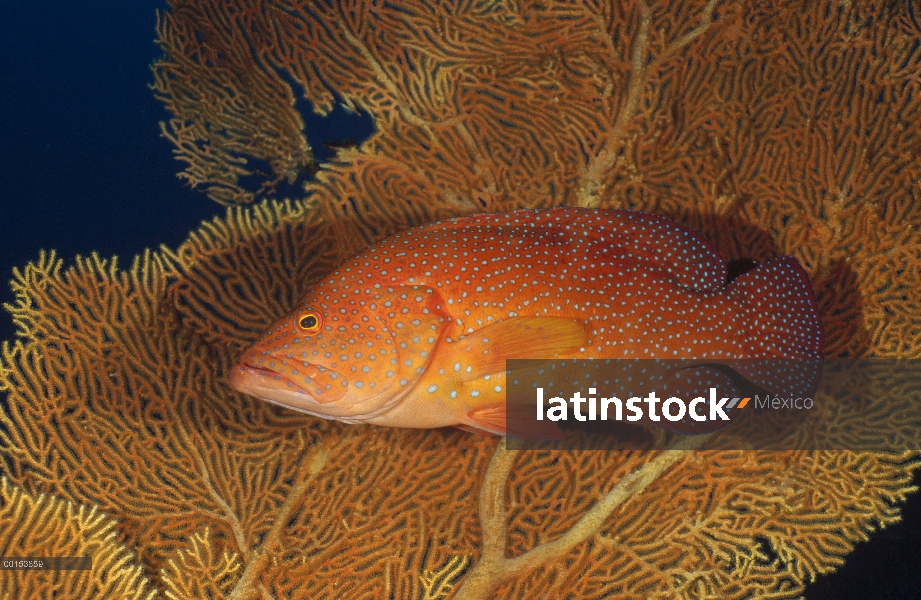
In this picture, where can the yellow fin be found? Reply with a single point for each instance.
(485, 351)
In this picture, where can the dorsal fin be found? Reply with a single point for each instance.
(607, 234)
(668, 245)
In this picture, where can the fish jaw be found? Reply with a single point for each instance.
(273, 387)
(270, 386)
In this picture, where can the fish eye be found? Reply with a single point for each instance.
(310, 321)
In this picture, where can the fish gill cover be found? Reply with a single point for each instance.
(772, 128)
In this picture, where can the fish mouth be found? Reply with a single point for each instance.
(247, 378)
(309, 386)
(263, 371)
(272, 386)
(245, 368)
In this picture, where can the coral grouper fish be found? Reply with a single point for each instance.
(415, 330)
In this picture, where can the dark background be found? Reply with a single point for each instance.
(83, 168)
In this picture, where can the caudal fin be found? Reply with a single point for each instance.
(781, 317)
(782, 324)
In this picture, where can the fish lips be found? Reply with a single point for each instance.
(312, 389)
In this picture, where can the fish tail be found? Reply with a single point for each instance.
(782, 324)
(780, 314)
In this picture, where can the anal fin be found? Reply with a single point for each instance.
(470, 429)
(515, 420)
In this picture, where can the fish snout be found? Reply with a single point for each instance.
(309, 388)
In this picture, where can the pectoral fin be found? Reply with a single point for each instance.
(485, 351)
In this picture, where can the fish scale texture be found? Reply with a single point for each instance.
(397, 321)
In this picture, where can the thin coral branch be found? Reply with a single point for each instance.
(591, 188)
(493, 567)
(309, 470)
(402, 104)
(228, 514)
(706, 20)
(492, 505)
(408, 115)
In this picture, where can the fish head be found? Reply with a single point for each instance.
(349, 357)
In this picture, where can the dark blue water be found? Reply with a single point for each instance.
(83, 168)
(82, 165)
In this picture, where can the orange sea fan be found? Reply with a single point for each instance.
(773, 128)
(118, 400)
(47, 528)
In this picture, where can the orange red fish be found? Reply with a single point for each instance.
(415, 330)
